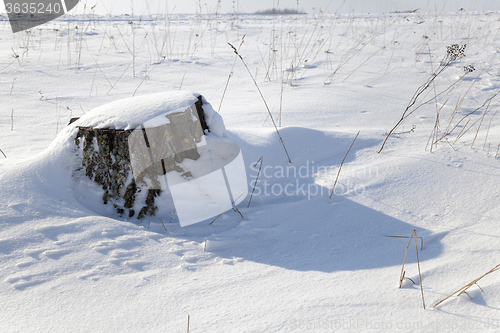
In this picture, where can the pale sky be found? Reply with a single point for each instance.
(249, 6)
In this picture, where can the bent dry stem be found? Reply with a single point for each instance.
(468, 285)
(403, 273)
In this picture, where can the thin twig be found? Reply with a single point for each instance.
(146, 76)
(101, 71)
(230, 75)
(487, 101)
(261, 160)
(227, 208)
(182, 81)
(488, 131)
(93, 80)
(421, 239)
(261, 95)
(486, 298)
(12, 86)
(7, 65)
(343, 163)
(435, 130)
(419, 274)
(119, 78)
(460, 134)
(479, 127)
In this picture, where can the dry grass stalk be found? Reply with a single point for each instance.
(232, 203)
(261, 95)
(97, 65)
(480, 123)
(93, 80)
(144, 79)
(468, 285)
(350, 54)
(433, 137)
(454, 53)
(12, 86)
(488, 130)
(462, 131)
(461, 99)
(419, 273)
(188, 325)
(486, 104)
(403, 273)
(340, 168)
(230, 75)
(261, 160)
(119, 79)
(3, 153)
(421, 240)
(7, 65)
(182, 81)
(454, 113)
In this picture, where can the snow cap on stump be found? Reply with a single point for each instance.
(131, 112)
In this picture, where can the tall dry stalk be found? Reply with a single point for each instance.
(265, 103)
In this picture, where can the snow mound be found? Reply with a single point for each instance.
(57, 164)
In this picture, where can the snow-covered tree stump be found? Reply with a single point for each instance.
(106, 159)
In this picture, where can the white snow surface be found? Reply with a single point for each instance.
(298, 260)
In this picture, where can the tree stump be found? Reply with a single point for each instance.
(106, 159)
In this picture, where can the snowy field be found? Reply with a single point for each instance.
(298, 260)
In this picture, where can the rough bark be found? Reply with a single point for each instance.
(106, 161)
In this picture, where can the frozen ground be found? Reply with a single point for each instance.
(298, 261)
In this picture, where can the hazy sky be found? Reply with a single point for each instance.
(249, 6)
